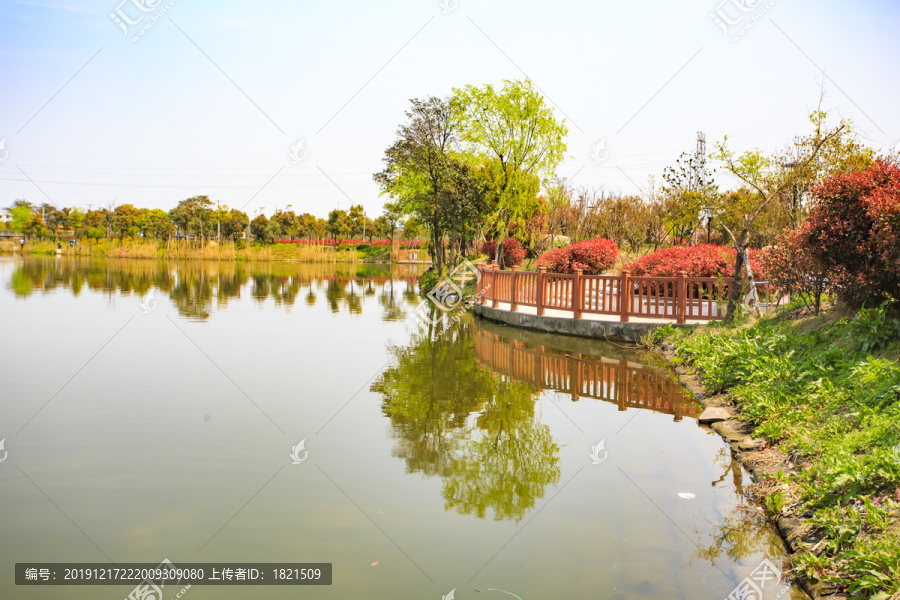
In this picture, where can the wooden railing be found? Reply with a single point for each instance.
(626, 384)
(676, 299)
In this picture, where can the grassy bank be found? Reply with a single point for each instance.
(190, 250)
(824, 391)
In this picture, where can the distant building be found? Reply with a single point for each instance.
(413, 255)
(5, 216)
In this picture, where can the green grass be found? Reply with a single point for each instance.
(827, 389)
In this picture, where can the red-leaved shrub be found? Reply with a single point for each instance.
(512, 253)
(591, 256)
(854, 229)
(794, 269)
(706, 260)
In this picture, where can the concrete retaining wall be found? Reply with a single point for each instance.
(600, 330)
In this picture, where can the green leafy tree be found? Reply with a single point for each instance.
(21, 216)
(416, 167)
(393, 213)
(194, 216)
(35, 228)
(769, 179)
(515, 127)
(358, 221)
(258, 227)
(234, 222)
(339, 224)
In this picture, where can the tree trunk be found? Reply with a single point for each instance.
(741, 266)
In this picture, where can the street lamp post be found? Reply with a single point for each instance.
(707, 214)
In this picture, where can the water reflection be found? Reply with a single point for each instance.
(461, 400)
(618, 376)
(742, 530)
(454, 420)
(196, 288)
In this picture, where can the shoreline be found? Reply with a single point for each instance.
(211, 251)
(755, 455)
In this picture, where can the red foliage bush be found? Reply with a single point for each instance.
(854, 229)
(794, 268)
(706, 260)
(336, 242)
(513, 253)
(591, 256)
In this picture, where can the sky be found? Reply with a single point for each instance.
(269, 104)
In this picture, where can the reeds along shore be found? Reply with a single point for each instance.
(189, 250)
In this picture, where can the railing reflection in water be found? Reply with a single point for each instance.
(624, 383)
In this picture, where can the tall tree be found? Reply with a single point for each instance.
(415, 170)
(770, 178)
(514, 126)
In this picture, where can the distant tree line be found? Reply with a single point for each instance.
(198, 218)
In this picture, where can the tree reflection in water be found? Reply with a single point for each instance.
(196, 288)
(478, 432)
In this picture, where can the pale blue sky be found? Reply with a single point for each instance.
(214, 95)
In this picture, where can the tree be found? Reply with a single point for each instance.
(338, 224)
(307, 225)
(273, 230)
(287, 222)
(258, 227)
(234, 222)
(358, 221)
(392, 215)
(688, 187)
(416, 164)
(194, 216)
(124, 221)
(769, 179)
(35, 228)
(516, 128)
(412, 228)
(21, 215)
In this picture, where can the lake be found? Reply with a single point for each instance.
(272, 412)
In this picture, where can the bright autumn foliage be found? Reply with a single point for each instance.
(706, 260)
(591, 256)
(854, 229)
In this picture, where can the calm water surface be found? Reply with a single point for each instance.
(142, 426)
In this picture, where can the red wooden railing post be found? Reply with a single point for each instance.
(625, 296)
(513, 289)
(622, 384)
(681, 297)
(576, 293)
(494, 286)
(575, 375)
(539, 292)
